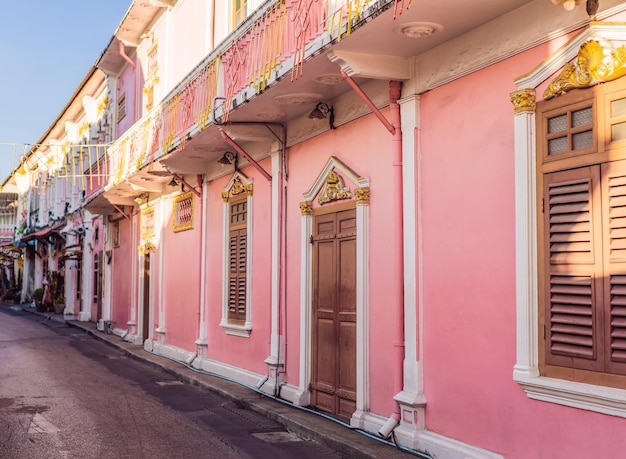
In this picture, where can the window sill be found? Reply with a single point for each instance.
(237, 330)
(606, 400)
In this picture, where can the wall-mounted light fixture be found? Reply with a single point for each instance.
(142, 198)
(173, 182)
(228, 158)
(323, 110)
(569, 5)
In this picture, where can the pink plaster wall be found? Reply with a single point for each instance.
(121, 272)
(188, 26)
(248, 353)
(469, 280)
(126, 85)
(181, 274)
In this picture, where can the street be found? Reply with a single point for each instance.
(65, 394)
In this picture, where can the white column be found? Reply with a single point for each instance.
(411, 399)
(306, 255)
(201, 342)
(526, 365)
(160, 250)
(87, 273)
(275, 360)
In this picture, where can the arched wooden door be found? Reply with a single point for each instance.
(333, 372)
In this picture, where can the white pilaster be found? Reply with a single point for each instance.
(275, 360)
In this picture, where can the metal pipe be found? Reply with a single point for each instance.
(182, 180)
(243, 153)
(369, 103)
(398, 288)
(124, 55)
(120, 211)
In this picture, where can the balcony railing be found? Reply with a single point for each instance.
(250, 58)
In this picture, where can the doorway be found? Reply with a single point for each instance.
(146, 297)
(333, 347)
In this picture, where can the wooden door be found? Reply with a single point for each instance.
(97, 283)
(146, 296)
(333, 373)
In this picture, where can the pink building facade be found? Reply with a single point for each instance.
(416, 256)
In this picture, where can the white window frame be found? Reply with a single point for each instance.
(590, 397)
(231, 328)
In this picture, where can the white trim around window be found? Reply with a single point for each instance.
(590, 397)
(231, 328)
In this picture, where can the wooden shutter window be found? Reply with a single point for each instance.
(237, 260)
(614, 224)
(570, 222)
(571, 316)
(574, 282)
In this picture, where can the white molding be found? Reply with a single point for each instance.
(295, 395)
(172, 352)
(381, 67)
(443, 447)
(590, 397)
(236, 374)
(232, 329)
(526, 371)
(362, 306)
(434, 444)
(161, 324)
(306, 299)
(274, 357)
(567, 52)
(204, 206)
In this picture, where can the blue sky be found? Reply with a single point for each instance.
(46, 49)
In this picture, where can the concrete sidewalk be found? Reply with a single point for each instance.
(306, 424)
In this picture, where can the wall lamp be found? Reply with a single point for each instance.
(228, 158)
(323, 110)
(569, 5)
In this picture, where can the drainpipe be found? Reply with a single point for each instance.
(124, 55)
(398, 355)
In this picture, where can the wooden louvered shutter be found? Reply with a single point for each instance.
(573, 268)
(614, 225)
(237, 259)
(237, 275)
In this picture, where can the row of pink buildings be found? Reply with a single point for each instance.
(409, 216)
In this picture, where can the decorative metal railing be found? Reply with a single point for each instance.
(268, 38)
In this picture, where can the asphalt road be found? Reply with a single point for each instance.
(64, 394)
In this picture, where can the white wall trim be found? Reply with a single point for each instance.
(274, 357)
(443, 447)
(526, 370)
(233, 373)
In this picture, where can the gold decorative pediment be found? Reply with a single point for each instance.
(334, 189)
(597, 62)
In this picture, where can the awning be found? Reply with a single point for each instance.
(42, 234)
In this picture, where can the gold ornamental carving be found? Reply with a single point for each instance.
(362, 195)
(596, 63)
(334, 189)
(523, 101)
(306, 207)
(225, 196)
(146, 248)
